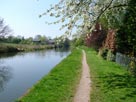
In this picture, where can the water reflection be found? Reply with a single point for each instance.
(5, 76)
(6, 55)
(43, 53)
(49, 53)
(62, 49)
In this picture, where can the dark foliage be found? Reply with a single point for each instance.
(126, 36)
(96, 38)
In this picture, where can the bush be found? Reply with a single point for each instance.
(103, 53)
(110, 56)
(132, 66)
(96, 38)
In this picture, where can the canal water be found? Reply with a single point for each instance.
(19, 72)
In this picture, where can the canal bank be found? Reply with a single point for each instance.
(20, 71)
(60, 84)
(7, 47)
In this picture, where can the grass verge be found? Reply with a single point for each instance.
(60, 84)
(111, 82)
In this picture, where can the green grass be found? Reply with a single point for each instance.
(110, 82)
(60, 84)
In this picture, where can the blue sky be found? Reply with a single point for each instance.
(22, 17)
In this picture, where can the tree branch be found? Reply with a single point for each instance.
(118, 6)
(102, 11)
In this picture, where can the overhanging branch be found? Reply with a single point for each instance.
(103, 10)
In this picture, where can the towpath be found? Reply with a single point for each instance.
(84, 87)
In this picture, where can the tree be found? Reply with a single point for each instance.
(85, 13)
(126, 36)
(62, 42)
(96, 38)
(13, 39)
(66, 43)
(43, 38)
(4, 29)
(78, 41)
(110, 41)
(27, 41)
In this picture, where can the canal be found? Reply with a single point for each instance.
(19, 72)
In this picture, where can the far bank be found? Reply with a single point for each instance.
(9, 47)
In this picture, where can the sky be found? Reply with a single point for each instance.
(23, 17)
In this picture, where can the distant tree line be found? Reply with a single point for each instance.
(6, 36)
(62, 42)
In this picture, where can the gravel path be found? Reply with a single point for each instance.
(84, 87)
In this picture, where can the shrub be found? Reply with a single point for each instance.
(96, 38)
(103, 53)
(132, 66)
(110, 56)
(110, 40)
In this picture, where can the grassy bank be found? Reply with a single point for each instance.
(111, 82)
(60, 84)
(5, 47)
